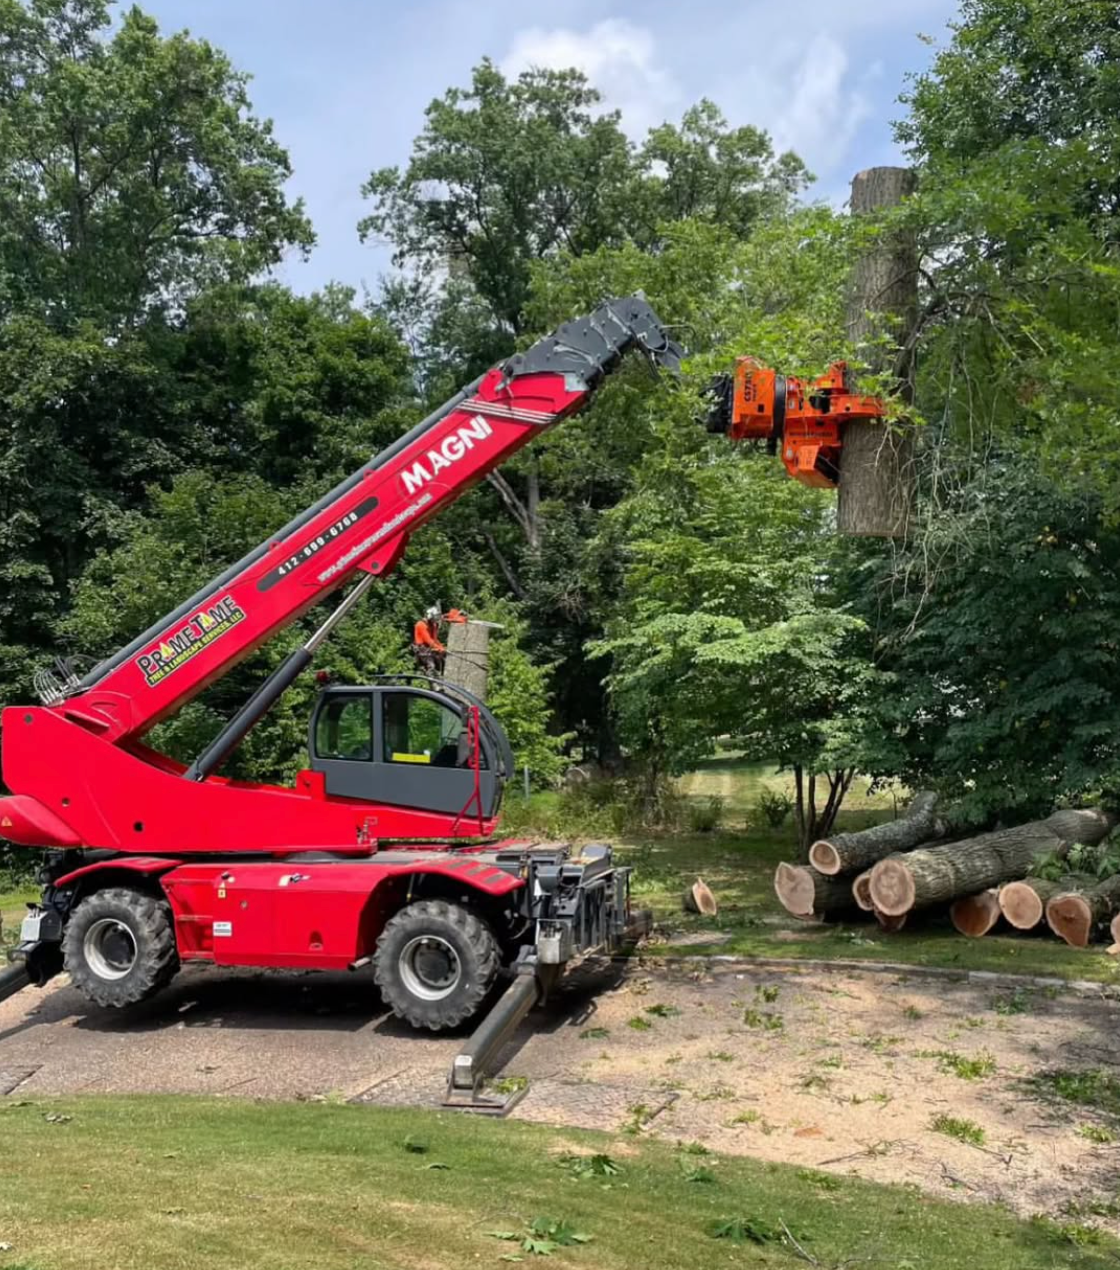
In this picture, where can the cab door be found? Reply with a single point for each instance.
(407, 747)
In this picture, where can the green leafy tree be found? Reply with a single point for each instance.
(131, 167)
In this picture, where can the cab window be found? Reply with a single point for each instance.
(418, 730)
(344, 729)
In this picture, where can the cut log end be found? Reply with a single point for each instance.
(1070, 917)
(975, 915)
(861, 891)
(698, 898)
(1022, 905)
(793, 886)
(1114, 929)
(892, 888)
(824, 857)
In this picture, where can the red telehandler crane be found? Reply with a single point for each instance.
(151, 863)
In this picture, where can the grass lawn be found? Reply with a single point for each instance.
(171, 1182)
(13, 906)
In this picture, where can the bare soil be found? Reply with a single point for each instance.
(834, 1071)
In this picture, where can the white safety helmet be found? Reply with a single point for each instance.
(434, 613)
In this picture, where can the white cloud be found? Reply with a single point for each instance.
(817, 107)
(617, 56)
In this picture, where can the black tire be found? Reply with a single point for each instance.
(119, 947)
(435, 963)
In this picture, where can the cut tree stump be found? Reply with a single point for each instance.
(698, 898)
(806, 893)
(847, 852)
(876, 489)
(938, 875)
(975, 915)
(468, 656)
(1075, 915)
(1023, 902)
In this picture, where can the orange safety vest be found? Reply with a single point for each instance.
(425, 635)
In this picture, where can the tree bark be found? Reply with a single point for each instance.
(1023, 903)
(468, 656)
(975, 915)
(847, 852)
(933, 875)
(876, 488)
(806, 893)
(1075, 915)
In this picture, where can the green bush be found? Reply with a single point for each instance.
(706, 816)
(774, 805)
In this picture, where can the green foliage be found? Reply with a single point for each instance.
(132, 170)
(707, 816)
(1085, 1087)
(774, 805)
(966, 1131)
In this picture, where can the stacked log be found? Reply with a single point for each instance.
(894, 869)
(975, 915)
(848, 852)
(1023, 902)
(806, 893)
(1075, 915)
(940, 874)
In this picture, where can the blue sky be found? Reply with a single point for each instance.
(346, 81)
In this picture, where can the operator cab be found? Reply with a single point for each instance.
(407, 742)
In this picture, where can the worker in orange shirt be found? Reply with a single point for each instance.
(427, 648)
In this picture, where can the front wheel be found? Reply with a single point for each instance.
(435, 963)
(119, 947)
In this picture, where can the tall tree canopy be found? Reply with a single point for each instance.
(132, 169)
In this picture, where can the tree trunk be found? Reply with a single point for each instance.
(975, 915)
(936, 875)
(876, 489)
(806, 893)
(1023, 903)
(1074, 916)
(811, 824)
(468, 656)
(846, 852)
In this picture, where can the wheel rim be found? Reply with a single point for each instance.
(110, 948)
(430, 967)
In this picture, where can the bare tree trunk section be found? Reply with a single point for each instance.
(468, 656)
(806, 893)
(975, 915)
(876, 489)
(846, 852)
(936, 875)
(1075, 916)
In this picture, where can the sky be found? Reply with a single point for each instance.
(346, 81)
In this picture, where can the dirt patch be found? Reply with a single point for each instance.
(842, 1071)
(851, 1072)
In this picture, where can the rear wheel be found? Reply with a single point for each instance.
(119, 947)
(435, 963)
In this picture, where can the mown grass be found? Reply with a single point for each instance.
(166, 1182)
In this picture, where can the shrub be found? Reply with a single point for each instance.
(775, 805)
(707, 816)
